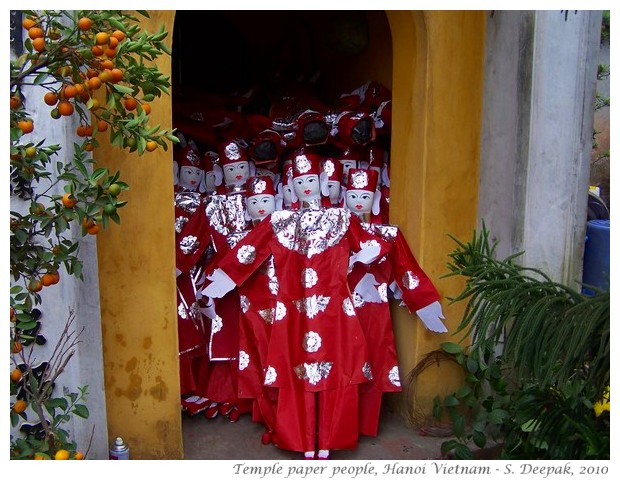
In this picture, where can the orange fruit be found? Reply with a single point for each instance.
(26, 125)
(53, 34)
(95, 105)
(102, 38)
(85, 23)
(70, 91)
(81, 90)
(94, 83)
(13, 310)
(35, 285)
(65, 108)
(64, 71)
(119, 35)
(38, 44)
(16, 375)
(106, 64)
(68, 200)
(19, 406)
(93, 229)
(147, 108)
(79, 455)
(39, 456)
(105, 76)
(30, 151)
(15, 102)
(35, 32)
(87, 222)
(80, 131)
(62, 454)
(50, 278)
(113, 42)
(102, 125)
(151, 145)
(17, 347)
(97, 50)
(89, 147)
(131, 103)
(28, 23)
(50, 98)
(117, 75)
(91, 72)
(110, 52)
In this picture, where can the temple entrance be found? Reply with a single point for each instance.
(232, 74)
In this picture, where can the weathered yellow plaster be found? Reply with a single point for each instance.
(138, 293)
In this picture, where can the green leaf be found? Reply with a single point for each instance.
(498, 416)
(464, 391)
(81, 410)
(451, 347)
(479, 438)
(450, 401)
(459, 426)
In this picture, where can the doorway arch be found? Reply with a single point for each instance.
(437, 96)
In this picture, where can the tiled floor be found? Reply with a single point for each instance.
(218, 439)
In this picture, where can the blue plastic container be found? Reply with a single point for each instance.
(596, 256)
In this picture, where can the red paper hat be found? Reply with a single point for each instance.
(188, 157)
(259, 186)
(232, 152)
(362, 179)
(306, 163)
(266, 147)
(333, 169)
(356, 128)
(376, 156)
(312, 128)
(209, 160)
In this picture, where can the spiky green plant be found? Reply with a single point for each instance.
(551, 343)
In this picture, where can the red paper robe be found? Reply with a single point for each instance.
(316, 343)
(398, 267)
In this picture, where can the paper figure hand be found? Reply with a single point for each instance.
(431, 317)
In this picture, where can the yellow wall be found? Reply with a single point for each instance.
(437, 118)
(437, 93)
(138, 294)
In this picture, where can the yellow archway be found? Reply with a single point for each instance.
(437, 92)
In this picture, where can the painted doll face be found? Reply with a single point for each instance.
(259, 206)
(264, 172)
(210, 181)
(359, 201)
(346, 166)
(236, 173)
(334, 191)
(307, 187)
(286, 195)
(190, 177)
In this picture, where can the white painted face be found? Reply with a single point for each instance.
(286, 195)
(359, 201)
(346, 166)
(334, 191)
(236, 173)
(264, 172)
(259, 206)
(210, 181)
(190, 177)
(307, 187)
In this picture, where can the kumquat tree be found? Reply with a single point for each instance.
(95, 66)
